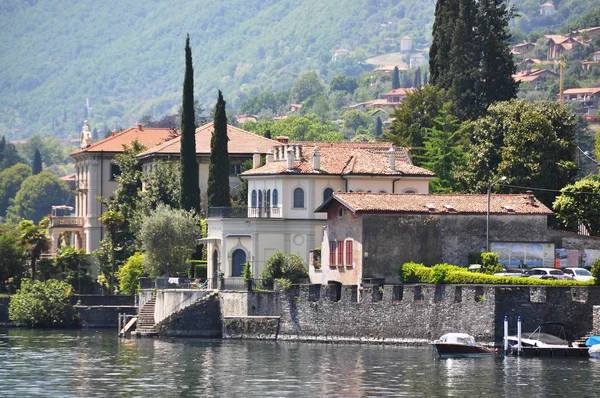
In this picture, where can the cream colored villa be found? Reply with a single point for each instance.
(283, 194)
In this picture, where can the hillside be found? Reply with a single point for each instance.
(127, 57)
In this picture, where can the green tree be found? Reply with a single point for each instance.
(9, 156)
(378, 127)
(341, 82)
(69, 258)
(418, 81)
(353, 119)
(130, 274)
(113, 221)
(161, 185)
(446, 15)
(10, 182)
(36, 196)
(395, 78)
(532, 144)
(190, 191)
(168, 239)
(218, 167)
(306, 85)
(443, 153)
(43, 304)
(579, 203)
(37, 163)
(11, 257)
(414, 116)
(286, 266)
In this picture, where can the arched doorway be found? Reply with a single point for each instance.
(215, 267)
(238, 259)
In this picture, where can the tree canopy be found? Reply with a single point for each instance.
(580, 203)
(36, 196)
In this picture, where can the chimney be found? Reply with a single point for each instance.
(283, 139)
(114, 132)
(317, 158)
(140, 127)
(530, 198)
(269, 156)
(392, 156)
(256, 159)
(290, 158)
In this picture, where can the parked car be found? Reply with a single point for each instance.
(547, 273)
(511, 272)
(579, 274)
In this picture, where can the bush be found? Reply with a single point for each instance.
(198, 269)
(596, 270)
(474, 257)
(452, 274)
(289, 266)
(490, 263)
(81, 281)
(247, 271)
(131, 273)
(44, 304)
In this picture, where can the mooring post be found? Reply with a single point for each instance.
(119, 330)
(505, 334)
(519, 333)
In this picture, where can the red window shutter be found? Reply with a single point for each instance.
(348, 252)
(340, 253)
(332, 258)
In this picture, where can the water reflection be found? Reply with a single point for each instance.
(97, 363)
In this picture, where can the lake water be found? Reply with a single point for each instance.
(86, 363)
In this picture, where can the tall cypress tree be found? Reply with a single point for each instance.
(446, 15)
(218, 168)
(497, 64)
(463, 66)
(37, 162)
(378, 127)
(190, 191)
(396, 79)
(418, 77)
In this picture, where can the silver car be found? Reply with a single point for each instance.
(547, 273)
(579, 274)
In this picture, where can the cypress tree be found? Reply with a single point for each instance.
(2, 147)
(190, 191)
(418, 77)
(268, 134)
(218, 167)
(37, 162)
(463, 66)
(378, 127)
(425, 78)
(497, 64)
(446, 15)
(396, 79)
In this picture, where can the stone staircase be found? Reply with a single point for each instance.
(145, 326)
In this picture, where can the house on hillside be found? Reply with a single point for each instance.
(588, 98)
(547, 9)
(523, 48)
(417, 61)
(535, 77)
(559, 45)
(95, 172)
(340, 53)
(587, 65)
(369, 235)
(389, 68)
(405, 44)
(396, 96)
(282, 196)
(245, 117)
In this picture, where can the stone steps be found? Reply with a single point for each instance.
(145, 324)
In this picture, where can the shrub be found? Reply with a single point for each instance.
(596, 270)
(81, 281)
(131, 273)
(445, 273)
(247, 274)
(289, 266)
(490, 263)
(198, 269)
(44, 304)
(474, 257)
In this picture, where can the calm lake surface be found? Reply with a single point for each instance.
(85, 363)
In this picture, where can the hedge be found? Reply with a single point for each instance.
(446, 273)
(199, 268)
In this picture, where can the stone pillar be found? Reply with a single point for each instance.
(54, 237)
(92, 202)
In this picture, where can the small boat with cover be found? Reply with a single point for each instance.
(461, 345)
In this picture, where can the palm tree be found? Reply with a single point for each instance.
(35, 240)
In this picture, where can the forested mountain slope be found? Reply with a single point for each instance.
(128, 56)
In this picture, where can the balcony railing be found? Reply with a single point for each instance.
(66, 221)
(245, 212)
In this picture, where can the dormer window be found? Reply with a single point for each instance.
(450, 208)
(430, 206)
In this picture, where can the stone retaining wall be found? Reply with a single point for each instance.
(102, 316)
(252, 327)
(201, 319)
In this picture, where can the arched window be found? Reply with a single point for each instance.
(268, 199)
(409, 190)
(298, 198)
(275, 198)
(238, 259)
(253, 201)
(260, 198)
(327, 193)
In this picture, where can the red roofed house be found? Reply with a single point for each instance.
(369, 235)
(95, 176)
(535, 77)
(396, 96)
(589, 98)
(283, 194)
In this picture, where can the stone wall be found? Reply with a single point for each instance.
(201, 319)
(421, 313)
(253, 328)
(102, 316)
(596, 330)
(243, 303)
(169, 301)
(97, 299)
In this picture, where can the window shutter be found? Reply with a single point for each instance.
(349, 252)
(332, 258)
(340, 253)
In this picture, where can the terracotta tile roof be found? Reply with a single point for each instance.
(147, 136)
(343, 158)
(240, 142)
(401, 91)
(440, 204)
(591, 90)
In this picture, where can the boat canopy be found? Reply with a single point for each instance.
(457, 338)
(592, 340)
